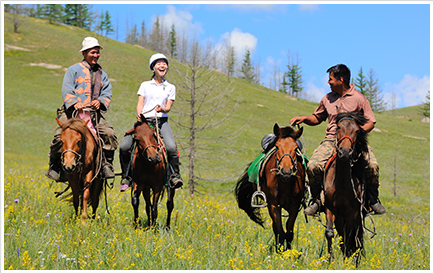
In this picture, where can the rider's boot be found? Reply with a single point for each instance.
(127, 170)
(54, 170)
(315, 191)
(175, 180)
(374, 202)
(107, 167)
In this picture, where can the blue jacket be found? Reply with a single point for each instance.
(77, 86)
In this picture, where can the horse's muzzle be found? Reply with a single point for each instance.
(345, 154)
(155, 160)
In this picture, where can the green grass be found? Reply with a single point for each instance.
(208, 230)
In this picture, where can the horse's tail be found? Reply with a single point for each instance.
(244, 190)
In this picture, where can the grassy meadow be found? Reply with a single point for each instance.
(208, 230)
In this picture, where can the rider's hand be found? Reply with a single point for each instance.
(295, 121)
(79, 106)
(95, 104)
(160, 109)
(139, 119)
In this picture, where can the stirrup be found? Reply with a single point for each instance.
(255, 197)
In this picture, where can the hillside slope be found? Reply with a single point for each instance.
(35, 60)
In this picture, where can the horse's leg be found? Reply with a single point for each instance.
(147, 196)
(98, 185)
(154, 212)
(276, 215)
(290, 226)
(329, 233)
(135, 202)
(170, 206)
(75, 195)
(86, 195)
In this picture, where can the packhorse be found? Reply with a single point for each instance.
(344, 186)
(81, 159)
(149, 171)
(281, 185)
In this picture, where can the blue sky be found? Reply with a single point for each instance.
(392, 39)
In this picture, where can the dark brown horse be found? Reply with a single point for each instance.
(282, 182)
(80, 161)
(149, 173)
(344, 185)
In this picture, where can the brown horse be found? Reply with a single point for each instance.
(283, 183)
(344, 185)
(79, 159)
(149, 173)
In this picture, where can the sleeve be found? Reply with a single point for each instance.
(321, 112)
(106, 91)
(68, 88)
(172, 93)
(367, 110)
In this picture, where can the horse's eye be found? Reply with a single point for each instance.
(338, 127)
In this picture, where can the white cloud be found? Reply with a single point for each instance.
(241, 41)
(410, 91)
(183, 21)
(315, 93)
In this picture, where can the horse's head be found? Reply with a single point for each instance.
(286, 153)
(73, 138)
(147, 142)
(350, 136)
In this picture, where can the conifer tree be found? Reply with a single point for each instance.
(373, 92)
(360, 82)
(247, 69)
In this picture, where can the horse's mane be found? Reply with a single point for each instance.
(77, 125)
(362, 135)
(286, 132)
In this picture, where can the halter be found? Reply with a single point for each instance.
(77, 156)
(294, 163)
(345, 137)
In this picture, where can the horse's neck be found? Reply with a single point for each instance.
(343, 172)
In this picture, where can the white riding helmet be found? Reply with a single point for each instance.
(156, 57)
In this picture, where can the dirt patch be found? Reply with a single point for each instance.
(12, 47)
(44, 65)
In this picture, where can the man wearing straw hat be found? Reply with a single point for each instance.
(85, 85)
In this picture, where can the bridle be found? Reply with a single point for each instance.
(278, 169)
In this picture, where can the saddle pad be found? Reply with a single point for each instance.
(257, 165)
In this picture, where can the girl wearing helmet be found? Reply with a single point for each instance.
(155, 98)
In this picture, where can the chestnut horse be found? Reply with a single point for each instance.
(80, 160)
(149, 172)
(344, 186)
(282, 182)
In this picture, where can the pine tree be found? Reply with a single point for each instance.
(295, 80)
(425, 108)
(172, 44)
(52, 13)
(78, 15)
(373, 92)
(247, 69)
(360, 82)
(132, 36)
(143, 40)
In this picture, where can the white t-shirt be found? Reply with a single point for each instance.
(156, 94)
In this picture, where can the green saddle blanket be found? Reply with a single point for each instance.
(257, 165)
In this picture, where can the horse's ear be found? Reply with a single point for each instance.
(59, 122)
(299, 132)
(276, 130)
(85, 123)
(129, 132)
